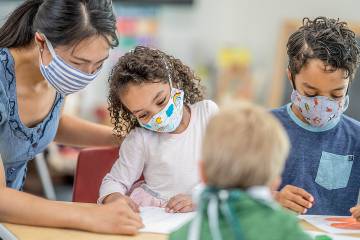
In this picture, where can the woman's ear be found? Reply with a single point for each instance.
(39, 41)
(203, 177)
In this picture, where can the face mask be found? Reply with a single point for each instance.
(320, 110)
(169, 118)
(63, 77)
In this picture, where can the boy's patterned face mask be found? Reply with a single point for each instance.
(318, 111)
(169, 118)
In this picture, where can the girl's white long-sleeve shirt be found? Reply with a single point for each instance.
(169, 162)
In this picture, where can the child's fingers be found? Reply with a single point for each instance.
(171, 203)
(303, 193)
(188, 208)
(300, 200)
(295, 199)
(356, 213)
(294, 207)
(180, 205)
(355, 209)
(174, 200)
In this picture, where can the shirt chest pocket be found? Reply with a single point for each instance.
(334, 170)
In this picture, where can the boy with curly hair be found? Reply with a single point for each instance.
(322, 173)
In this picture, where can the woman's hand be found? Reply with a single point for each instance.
(113, 197)
(115, 217)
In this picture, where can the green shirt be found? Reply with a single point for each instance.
(257, 221)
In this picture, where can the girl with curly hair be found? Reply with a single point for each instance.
(157, 103)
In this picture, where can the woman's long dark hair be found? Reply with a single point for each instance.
(63, 22)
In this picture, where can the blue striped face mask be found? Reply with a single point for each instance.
(63, 77)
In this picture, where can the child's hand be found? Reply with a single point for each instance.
(181, 203)
(115, 217)
(355, 212)
(294, 198)
(115, 196)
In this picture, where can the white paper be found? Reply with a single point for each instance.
(333, 236)
(5, 234)
(320, 222)
(156, 220)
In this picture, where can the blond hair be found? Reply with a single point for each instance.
(244, 146)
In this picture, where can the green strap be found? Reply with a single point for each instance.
(217, 201)
(228, 210)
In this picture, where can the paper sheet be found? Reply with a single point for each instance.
(156, 220)
(333, 236)
(5, 234)
(333, 224)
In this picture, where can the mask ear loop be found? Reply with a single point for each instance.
(41, 49)
(348, 88)
(49, 45)
(41, 55)
(168, 71)
(292, 78)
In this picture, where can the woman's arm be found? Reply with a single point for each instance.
(77, 132)
(2, 174)
(22, 208)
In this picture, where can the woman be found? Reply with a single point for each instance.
(49, 49)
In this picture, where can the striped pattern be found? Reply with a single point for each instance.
(65, 78)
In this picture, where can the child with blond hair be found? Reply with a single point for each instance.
(243, 155)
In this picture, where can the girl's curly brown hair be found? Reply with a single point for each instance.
(146, 65)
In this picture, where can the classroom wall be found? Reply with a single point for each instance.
(196, 33)
(254, 24)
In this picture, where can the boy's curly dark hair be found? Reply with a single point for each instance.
(146, 65)
(326, 39)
